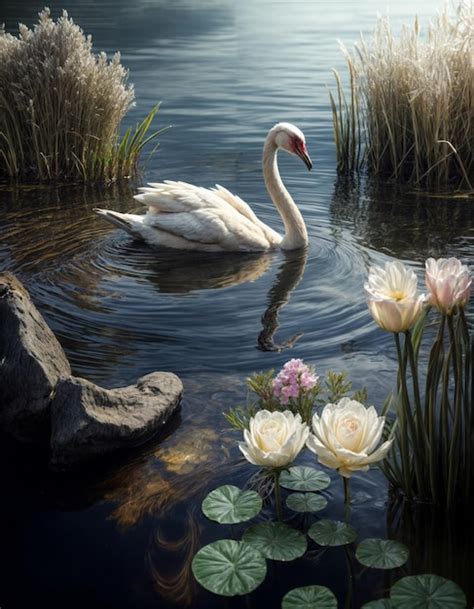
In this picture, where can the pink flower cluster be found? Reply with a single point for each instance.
(293, 380)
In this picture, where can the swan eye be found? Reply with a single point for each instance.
(298, 144)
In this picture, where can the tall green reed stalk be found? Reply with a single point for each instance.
(410, 111)
(61, 107)
(433, 460)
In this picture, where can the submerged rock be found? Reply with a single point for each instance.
(89, 421)
(31, 363)
(41, 402)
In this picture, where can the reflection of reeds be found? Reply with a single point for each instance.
(410, 107)
(180, 585)
(61, 107)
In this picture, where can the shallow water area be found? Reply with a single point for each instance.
(124, 535)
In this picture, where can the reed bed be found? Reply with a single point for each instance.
(409, 110)
(61, 107)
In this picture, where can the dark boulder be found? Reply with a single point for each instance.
(88, 421)
(31, 363)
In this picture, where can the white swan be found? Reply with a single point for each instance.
(183, 216)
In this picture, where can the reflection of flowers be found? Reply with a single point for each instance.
(274, 439)
(449, 283)
(346, 435)
(294, 380)
(392, 296)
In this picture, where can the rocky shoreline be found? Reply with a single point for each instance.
(42, 402)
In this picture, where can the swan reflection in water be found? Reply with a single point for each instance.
(182, 272)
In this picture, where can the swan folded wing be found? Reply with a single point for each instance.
(242, 207)
(229, 230)
(166, 197)
(236, 202)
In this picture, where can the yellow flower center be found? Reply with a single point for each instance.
(397, 295)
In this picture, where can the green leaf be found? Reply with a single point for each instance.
(380, 603)
(306, 502)
(381, 553)
(276, 540)
(304, 478)
(309, 597)
(229, 504)
(427, 592)
(332, 533)
(229, 567)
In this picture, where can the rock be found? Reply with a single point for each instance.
(41, 402)
(31, 363)
(88, 421)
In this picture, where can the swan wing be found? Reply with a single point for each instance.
(243, 208)
(170, 196)
(211, 227)
(205, 216)
(236, 202)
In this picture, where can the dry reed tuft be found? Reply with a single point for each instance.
(61, 107)
(410, 111)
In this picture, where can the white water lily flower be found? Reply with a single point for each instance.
(346, 436)
(449, 283)
(392, 296)
(274, 439)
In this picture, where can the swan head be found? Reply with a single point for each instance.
(288, 137)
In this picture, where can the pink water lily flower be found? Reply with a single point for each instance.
(449, 283)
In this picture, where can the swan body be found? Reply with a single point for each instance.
(188, 217)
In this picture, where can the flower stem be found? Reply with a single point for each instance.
(454, 452)
(419, 443)
(276, 475)
(403, 416)
(347, 498)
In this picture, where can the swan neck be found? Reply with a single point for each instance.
(296, 235)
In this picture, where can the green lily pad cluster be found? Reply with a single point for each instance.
(306, 480)
(229, 567)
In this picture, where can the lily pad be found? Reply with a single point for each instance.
(380, 603)
(427, 592)
(229, 567)
(309, 597)
(306, 502)
(229, 504)
(332, 533)
(381, 553)
(276, 540)
(304, 478)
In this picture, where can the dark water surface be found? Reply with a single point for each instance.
(225, 72)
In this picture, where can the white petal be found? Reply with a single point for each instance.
(380, 453)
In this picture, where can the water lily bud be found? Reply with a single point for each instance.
(274, 439)
(449, 283)
(346, 435)
(392, 296)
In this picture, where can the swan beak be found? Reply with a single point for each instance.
(302, 152)
(306, 159)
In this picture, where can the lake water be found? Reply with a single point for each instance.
(225, 72)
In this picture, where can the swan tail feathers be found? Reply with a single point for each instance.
(117, 219)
